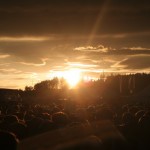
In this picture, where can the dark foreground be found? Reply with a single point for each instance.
(70, 125)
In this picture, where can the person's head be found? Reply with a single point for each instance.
(127, 118)
(8, 141)
(139, 114)
(60, 118)
(19, 129)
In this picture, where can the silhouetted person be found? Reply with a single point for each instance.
(8, 141)
(60, 119)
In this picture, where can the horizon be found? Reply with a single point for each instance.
(82, 79)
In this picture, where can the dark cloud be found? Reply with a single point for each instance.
(72, 17)
(29, 51)
(138, 62)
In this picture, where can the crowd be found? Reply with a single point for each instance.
(20, 121)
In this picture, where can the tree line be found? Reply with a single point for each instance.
(121, 85)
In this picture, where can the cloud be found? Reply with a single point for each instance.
(102, 50)
(46, 17)
(5, 64)
(136, 48)
(4, 56)
(78, 64)
(22, 57)
(138, 63)
(129, 51)
(19, 78)
(23, 39)
(9, 71)
(33, 52)
(36, 65)
(99, 48)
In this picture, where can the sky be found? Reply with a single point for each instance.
(39, 38)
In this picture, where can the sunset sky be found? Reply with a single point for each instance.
(39, 38)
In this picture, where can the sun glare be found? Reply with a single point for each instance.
(72, 76)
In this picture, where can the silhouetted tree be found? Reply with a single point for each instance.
(47, 89)
(47, 85)
(29, 88)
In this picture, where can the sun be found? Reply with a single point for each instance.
(72, 77)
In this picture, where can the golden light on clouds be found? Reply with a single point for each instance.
(4, 56)
(22, 39)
